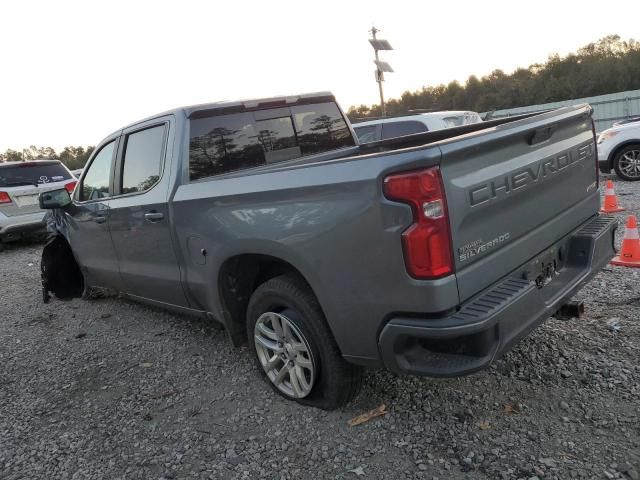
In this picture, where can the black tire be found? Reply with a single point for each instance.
(620, 169)
(336, 381)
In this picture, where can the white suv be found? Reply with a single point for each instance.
(619, 149)
(20, 186)
(392, 127)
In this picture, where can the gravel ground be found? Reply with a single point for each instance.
(111, 389)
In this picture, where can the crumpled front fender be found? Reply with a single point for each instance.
(60, 272)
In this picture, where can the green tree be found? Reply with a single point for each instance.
(72, 157)
(39, 153)
(606, 66)
(11, 156)
(75, 157)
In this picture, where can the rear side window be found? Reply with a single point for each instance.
(30, 173)
(142, 159)
(400, 129)
(227, 143)
(95, 184)
(366, 134)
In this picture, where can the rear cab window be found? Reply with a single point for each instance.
(33, 174)
(231, 142)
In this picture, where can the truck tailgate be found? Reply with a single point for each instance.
(515, 189)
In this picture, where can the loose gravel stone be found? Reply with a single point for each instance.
(111, 389)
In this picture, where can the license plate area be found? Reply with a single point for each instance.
(26, 200)
(543, 269)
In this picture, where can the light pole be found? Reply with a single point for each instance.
(381, 66)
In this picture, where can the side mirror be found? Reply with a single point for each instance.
(55, 199)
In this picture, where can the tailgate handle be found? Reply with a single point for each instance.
(541, 134)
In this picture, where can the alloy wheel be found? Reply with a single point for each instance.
(285, 354)
(629, 163)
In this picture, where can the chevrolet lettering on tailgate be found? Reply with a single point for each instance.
(540, 171)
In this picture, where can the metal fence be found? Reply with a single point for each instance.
(607, 109)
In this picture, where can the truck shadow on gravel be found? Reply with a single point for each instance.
(564, 402)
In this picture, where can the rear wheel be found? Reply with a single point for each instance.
(285, 354)
(293, 347)
(627, 163)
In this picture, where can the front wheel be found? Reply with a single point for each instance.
(294, 348)
(627, 163)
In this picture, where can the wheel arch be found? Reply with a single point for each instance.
(238, 277)
(616, 150)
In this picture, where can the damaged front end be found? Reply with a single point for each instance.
(61, 275)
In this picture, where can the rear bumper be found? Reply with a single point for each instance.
(492, 322)
(14, 227)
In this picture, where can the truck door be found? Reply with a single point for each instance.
(87, 220)
(139, 214)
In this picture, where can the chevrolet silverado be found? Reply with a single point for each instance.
(428, 254)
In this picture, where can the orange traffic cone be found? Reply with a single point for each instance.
(630, 252)
(610, 200)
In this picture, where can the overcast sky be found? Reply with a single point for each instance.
(72, 72)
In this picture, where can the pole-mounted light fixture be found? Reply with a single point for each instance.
(381, 66)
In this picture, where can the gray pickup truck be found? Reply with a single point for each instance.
(429, 254)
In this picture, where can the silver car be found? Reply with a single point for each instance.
(20, 185)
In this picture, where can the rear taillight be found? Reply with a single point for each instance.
(427, 242)
(70, 187)
(4, 197)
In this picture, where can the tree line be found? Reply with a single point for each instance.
(607, 66)
(72, 157)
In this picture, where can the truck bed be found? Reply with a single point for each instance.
(328, 217)
(421, 139)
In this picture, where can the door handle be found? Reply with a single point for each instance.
(99, 219)
(153, 216)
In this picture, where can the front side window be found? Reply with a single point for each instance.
(142, 159)
(95, 184)
(400, 129)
